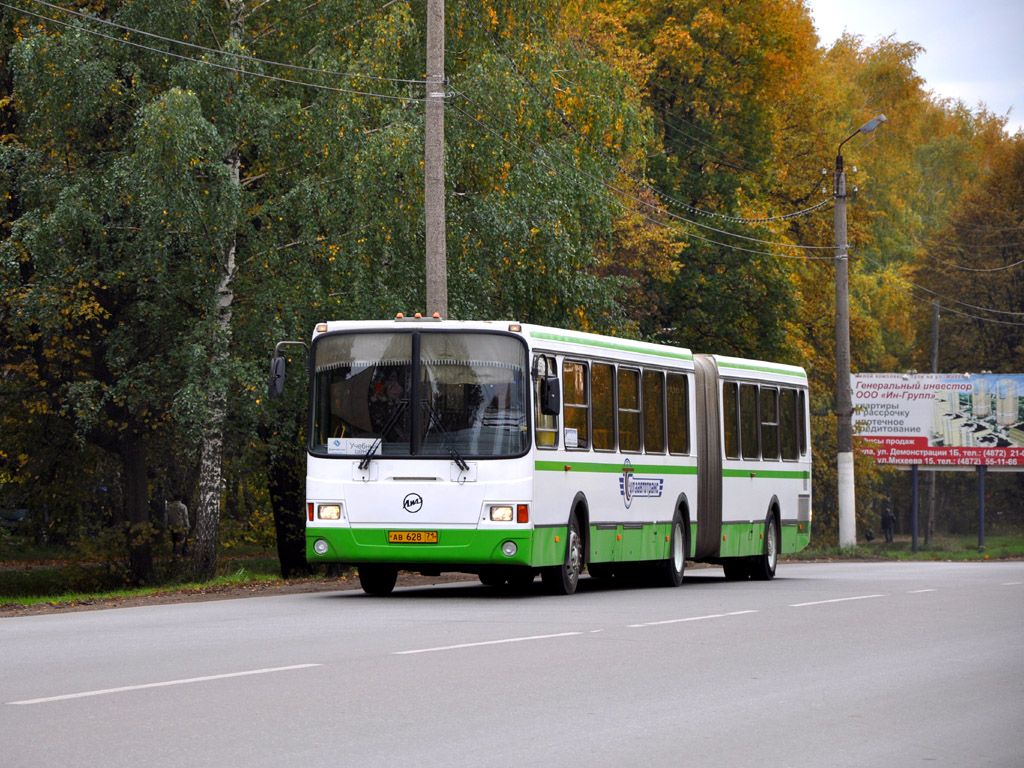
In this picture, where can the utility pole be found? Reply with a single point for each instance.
(433, 164)
(844, 398)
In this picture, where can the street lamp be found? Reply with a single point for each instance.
(844, 399)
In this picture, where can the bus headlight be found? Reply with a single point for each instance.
(501, 513)
(320, 546)
(329, 512)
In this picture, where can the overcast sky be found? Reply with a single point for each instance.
(973, 50)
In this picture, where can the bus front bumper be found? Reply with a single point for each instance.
(454, 547)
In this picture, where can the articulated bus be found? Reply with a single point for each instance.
(506, 450)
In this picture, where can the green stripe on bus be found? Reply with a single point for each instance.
(583, 466)
(764, 369)
(455, 546)
(621, 346)
(777, 474)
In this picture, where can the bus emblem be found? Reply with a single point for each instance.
(413, 503)
(631, 486)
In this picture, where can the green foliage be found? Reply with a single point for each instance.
(582, 137)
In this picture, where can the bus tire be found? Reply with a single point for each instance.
(763, 567)
(669, 573)
(377, 579)
(563, 579)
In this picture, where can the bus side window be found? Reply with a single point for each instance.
(788, 420)
(802, 422)
(545, 425)
(749, 422)
(576, 403)
(731, 419)
(769, 423)
(629, 411)
(602, 381)
(654, 412)
(678, 414)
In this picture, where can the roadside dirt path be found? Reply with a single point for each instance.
(260, 589)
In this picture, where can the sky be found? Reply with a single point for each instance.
(973, 50)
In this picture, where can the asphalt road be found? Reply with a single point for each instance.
(844, 664)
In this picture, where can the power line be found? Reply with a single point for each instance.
(203, 62)
(700, 225)
(706, 132)
(952, 301)
(602, 154)
(973, 269)
(951, 310)
(711, 152)
(205, 49)
(645, 204)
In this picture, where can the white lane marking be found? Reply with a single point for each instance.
(836, 600)
(919, 591)
(484, 642)
(163, 684)
(692, 618)
(1011, 583)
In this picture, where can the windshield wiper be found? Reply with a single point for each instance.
(448, 442)
(368, 456)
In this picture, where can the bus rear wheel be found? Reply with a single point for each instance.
(562, 579)
(669, 573)
(763, 567)
(377, 579)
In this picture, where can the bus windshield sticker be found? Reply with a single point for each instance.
(351, 446)
(571, 438)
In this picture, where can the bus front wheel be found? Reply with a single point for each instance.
(562, 579)
(377, 579)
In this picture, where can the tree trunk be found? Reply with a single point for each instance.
(140, 540)
(204, 553)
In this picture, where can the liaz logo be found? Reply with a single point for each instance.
(413, 502)
(631, 486)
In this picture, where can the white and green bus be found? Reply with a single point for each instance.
(507, 450)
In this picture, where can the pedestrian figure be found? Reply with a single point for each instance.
(177, 523)
(888, 523)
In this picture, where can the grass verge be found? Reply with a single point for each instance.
(954, 548)
(35, 584)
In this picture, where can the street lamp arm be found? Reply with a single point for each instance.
(868, 127)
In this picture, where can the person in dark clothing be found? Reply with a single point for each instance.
(888, 523)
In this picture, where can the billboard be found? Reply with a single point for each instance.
(941, 419)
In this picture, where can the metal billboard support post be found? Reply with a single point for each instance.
(913, 505)
(981, 507)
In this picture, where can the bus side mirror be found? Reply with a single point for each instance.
(276, 385)
(550, 396)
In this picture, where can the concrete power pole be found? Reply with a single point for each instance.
(844, 399)
(433, 164)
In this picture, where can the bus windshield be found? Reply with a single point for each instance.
(424, 394)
